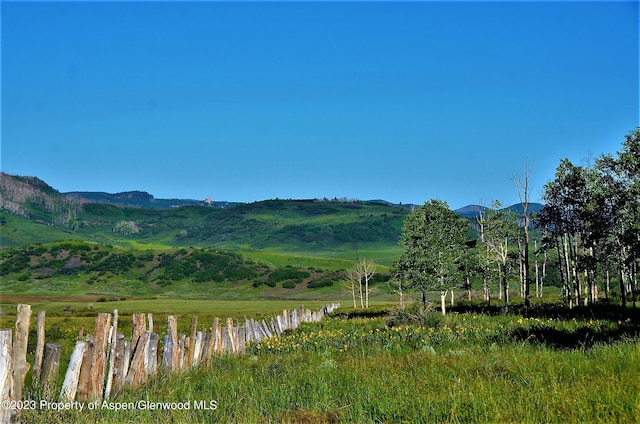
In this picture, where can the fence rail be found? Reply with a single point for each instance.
(105, 362)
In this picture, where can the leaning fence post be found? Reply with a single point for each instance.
(70, 384)
(37, 362)
(112, 354)
(137, 328)
(137, 371)
(6, 374)
(85, 370)
(50, 368)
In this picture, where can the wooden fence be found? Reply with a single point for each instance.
(105, 362)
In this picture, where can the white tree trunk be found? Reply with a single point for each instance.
(443, 295)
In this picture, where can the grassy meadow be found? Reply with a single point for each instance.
(476, 364)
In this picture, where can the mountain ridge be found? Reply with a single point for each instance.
(33, 212)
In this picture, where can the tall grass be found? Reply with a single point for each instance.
(458, 368)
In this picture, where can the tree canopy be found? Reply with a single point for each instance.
(433, 239)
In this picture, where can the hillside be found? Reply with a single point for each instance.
(33, 212)
(108, 272)
(327, 228)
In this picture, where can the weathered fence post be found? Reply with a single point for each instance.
(217, 335)
(230, 334)
(120, 365)
(6, 374)
(137, 371)
(170, 356)
(240, 339)
(85, 370)
(190, 347)
(50, 368)
(37, 361)
(197, 348)
(181, 343)
(20, 364)
(70, 384)
(137, 328)
(113, 335)
(98, 358)
(151, 353)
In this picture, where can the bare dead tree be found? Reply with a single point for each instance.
(522, 186)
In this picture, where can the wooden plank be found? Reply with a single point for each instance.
(20, 365)
(260, 330)
(267, 329)
(85, 371)
(6, 374)
(50, 369)
(231, 335)
(190, 348)
(248, 331)
(240, 340)
(127, 359)
(119, 371)
(37, 362)
(275, 328)
(205, 354)
(113, 334)
(137, 328)
(181, 343)
(98, 357)
(197, 348)
(226, 345)
(217, 336)
(170, 358)
(137, 371)
(70, 383)
(151, 354)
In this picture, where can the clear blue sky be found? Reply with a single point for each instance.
(369, 100)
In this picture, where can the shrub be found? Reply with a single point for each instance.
(289, 284)
(416, 314)
(288, 273)
(321, 283)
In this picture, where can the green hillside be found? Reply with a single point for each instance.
(106, 272)
(286, 226)
(33, 212)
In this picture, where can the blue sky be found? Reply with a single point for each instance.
(244, 101)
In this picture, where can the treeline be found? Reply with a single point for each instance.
(592, 220)
(587, 234)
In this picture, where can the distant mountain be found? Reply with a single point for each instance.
(140, 199)
(472, 211)
(533, 208)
